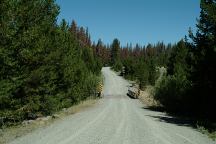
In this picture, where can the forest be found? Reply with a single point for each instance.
(46, 66)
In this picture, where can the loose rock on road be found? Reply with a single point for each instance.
(116, 119)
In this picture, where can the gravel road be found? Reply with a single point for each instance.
(116, 119)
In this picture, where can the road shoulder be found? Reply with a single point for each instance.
(11, 133)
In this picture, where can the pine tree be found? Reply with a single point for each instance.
(115, 55)
(204, 57)
(73, 29)
(98, 48)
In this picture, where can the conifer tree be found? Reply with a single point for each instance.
(115, 55)
(204, 57)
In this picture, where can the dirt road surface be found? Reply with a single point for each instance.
(116, 119)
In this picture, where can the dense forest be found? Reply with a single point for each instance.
(44, 66)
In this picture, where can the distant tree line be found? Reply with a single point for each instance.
(139, 62)
(44, 66)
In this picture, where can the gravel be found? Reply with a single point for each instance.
(116, 119)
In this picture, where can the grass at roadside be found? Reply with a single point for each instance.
(203, 130)
(10, 133)
(146, 96)
(207, 129)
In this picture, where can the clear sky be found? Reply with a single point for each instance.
(133, 21)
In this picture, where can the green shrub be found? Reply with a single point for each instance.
(172, 93)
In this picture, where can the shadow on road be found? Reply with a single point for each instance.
(131, 97)
(168, 118)
(154, 108)
(174, 120)
(158, 114)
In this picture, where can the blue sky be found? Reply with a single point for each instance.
(132, 21)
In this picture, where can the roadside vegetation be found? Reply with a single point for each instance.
(10, 133)
(44, 66)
